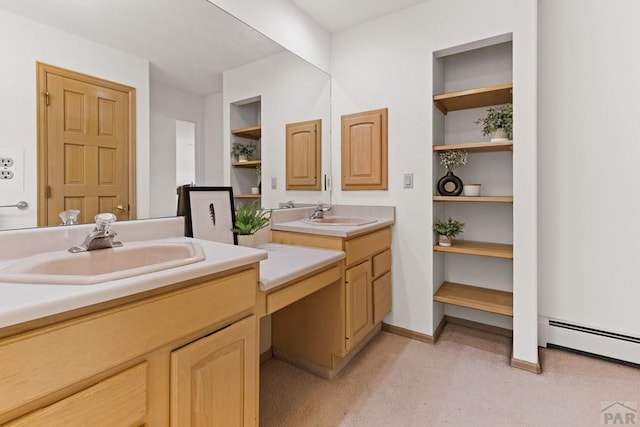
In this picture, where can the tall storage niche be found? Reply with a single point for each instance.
(245, 121)
(466, 81)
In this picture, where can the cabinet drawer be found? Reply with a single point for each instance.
(120, 400)
(64, 354)
(362, 247)
(381, 297)
(382, 263)
(292, 293)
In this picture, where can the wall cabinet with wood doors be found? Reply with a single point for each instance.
(187, 356)
(304, 155)
(364, 150)
(473, 278)
(363, 299)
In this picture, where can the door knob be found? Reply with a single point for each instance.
(121, 208)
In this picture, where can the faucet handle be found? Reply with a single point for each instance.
(104, 220)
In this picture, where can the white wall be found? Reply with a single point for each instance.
(589, 149)
(214, 154)
(23, 42)
(291, 90)
(169, 104)
(388, 63)
(283, 22)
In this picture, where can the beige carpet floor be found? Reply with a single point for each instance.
(463, 380)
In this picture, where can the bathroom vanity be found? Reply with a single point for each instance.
(175, 347)
(323, 331)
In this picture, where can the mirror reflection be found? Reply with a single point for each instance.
(198, 75)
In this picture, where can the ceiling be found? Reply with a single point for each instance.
(162, 31)
(335, 15)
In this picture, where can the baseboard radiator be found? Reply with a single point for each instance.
(595, 341)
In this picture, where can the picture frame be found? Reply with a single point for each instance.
(210, 214)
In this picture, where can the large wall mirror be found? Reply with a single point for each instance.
(197, 72)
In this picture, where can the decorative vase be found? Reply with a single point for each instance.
(444, 240)
(247, 240)
(499, 135)
(450, 185)
(242, 158)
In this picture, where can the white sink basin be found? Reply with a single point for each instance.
(87, 268)
(340, 220)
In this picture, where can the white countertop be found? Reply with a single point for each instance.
(333, 230)
(288, 262)
(24, 302)
(290, 220)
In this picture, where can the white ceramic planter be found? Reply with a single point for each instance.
(248, 240)
(472, 190)
(499, 135)
(444, 240)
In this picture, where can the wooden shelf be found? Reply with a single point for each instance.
(253, 132)
(477, 147)
(247, 164)
(246, 196)
(484, 299)
(477, 199)
(474, 98)
(468, 247)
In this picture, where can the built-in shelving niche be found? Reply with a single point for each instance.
(245, 123)
(474, 278)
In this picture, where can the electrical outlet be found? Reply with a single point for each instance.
(5, 174)
(6, 162)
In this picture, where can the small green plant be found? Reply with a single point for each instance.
(250, 218)
(496, 118)
(451, 228)
(451, 159)
(238, 149)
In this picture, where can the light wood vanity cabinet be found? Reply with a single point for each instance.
(364, 296)
(187, 356)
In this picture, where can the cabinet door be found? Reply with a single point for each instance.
(303, 155)
(359, 314)
(120, 400)
(364, 151)
(214, 379)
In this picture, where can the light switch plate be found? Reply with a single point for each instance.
(274, 183)
(408, 180)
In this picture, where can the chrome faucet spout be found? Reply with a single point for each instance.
(101, 237)
(319, 212)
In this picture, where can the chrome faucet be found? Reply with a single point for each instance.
(319, 212)
(101, 237)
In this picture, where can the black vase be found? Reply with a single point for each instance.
(450, 185)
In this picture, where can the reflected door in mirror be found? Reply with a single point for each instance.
(84, 150)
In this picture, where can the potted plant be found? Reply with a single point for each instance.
(451, 185)
(256, 189)
(242, 151)
(249, 219)
(498, 123)
(447, 230)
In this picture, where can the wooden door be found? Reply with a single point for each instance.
(86, 146)
(214, 379)
(359, 303)
(304, 166)
(364, 150)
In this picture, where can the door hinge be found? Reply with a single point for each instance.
(47, 192)
(46, 98)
